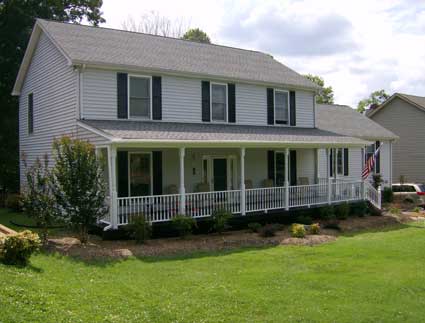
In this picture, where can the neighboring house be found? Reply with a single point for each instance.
(346, 121)
(404, 115)
(185, 127)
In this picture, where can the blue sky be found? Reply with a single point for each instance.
(356, 46)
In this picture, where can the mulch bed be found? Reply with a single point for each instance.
(99, 249)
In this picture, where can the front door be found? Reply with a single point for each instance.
(220, 174)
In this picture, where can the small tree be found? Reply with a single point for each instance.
(38, 200)
(326, 93)
(79, 184)
(196, 34)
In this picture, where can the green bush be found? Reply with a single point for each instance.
(140, 229)
(327, 212)
(183, 224)
(17, 249)
(387, 195)
(220, 219)
(377, 180)
(13, 202)
(269, 230)
(314, 228)
(342, 211)
(395, 210)
(359, 209)
(254, 226)
(298, 230)
(417, 209)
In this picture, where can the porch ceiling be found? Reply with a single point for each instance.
(220, 135)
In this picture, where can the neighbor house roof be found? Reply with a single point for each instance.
(417, 101)
(346, 121)
(128, 131)
(137, 51)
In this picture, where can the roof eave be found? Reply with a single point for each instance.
(390, 99)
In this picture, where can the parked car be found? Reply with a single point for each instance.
(417, 191)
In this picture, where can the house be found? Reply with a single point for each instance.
(185, 127)
(404, 115)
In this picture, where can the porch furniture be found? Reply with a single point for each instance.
(248, 184)
(268, 183)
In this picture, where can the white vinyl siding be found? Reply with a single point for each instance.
(354, 165)
(251, 104)
(53, 83)
(305, 109)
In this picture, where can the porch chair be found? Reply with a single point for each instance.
(248, 184)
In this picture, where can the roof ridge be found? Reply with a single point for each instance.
(158, 36)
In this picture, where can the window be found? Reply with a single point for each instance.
(140, 179)
(403, 188)
(370, 150)
(218, 102)
(281, 102)
(139, 97)
(339, 161)
(30, 113)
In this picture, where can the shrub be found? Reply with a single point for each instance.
(79, 184)
(183, 224)
(38, 200)
(342, 211)
(377, 180)
(304, 218)
(140, 229)
(220, 219)
(387, 195)
(417, 209)
(314, 228)
(254, 226)
(298, 230)
(395, 210)
(17, 249)
(359, 209)
(269, 230)
(13, 202)
(327, 212)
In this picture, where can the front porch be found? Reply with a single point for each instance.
(161, 183)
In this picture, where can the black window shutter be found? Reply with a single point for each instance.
(231, 102)
(292, 109)
(122, 167)
(378, 158)
(206, 101)
(122, 95)
(293, 167)
(270, 106)
(346, 162)
(270, 165)
(156, 98)
(157, 172)
(331, 163)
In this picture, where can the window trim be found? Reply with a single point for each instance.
(288, 123)
(226, 102)
(30, 128)
(129, 76)
(150, 169)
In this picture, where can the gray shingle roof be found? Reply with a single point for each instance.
(419, 100)
(123, 49)
(167, 131)
(346, 121)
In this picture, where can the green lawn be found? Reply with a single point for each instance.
(369, 277)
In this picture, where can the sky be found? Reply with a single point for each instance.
(356, 46)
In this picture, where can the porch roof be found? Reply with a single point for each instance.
(191, 134)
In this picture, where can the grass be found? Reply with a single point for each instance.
(369, 277)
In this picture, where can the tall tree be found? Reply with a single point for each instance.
(374, 99)
(155, 24)
(326, 93)
(16, 21)
(196, 34)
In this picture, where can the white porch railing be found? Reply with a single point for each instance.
(162, 208)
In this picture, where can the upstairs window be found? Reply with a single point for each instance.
(139, 97)
(30, 113)
(281, 102)
(218, 102)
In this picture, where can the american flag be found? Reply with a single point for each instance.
(370, 163)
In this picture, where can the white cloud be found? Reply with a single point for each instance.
(357, 46)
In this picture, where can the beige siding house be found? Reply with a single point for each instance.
(404, 115)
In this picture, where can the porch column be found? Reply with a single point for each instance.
(286, 178)
(112, 155)
(182, 190)
(243, 200)
(328, 173)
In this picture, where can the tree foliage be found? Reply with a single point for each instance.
(326, 93)
(78, 183)
(38, 200)
(16, 22)
(197, 35)
(374, 99)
